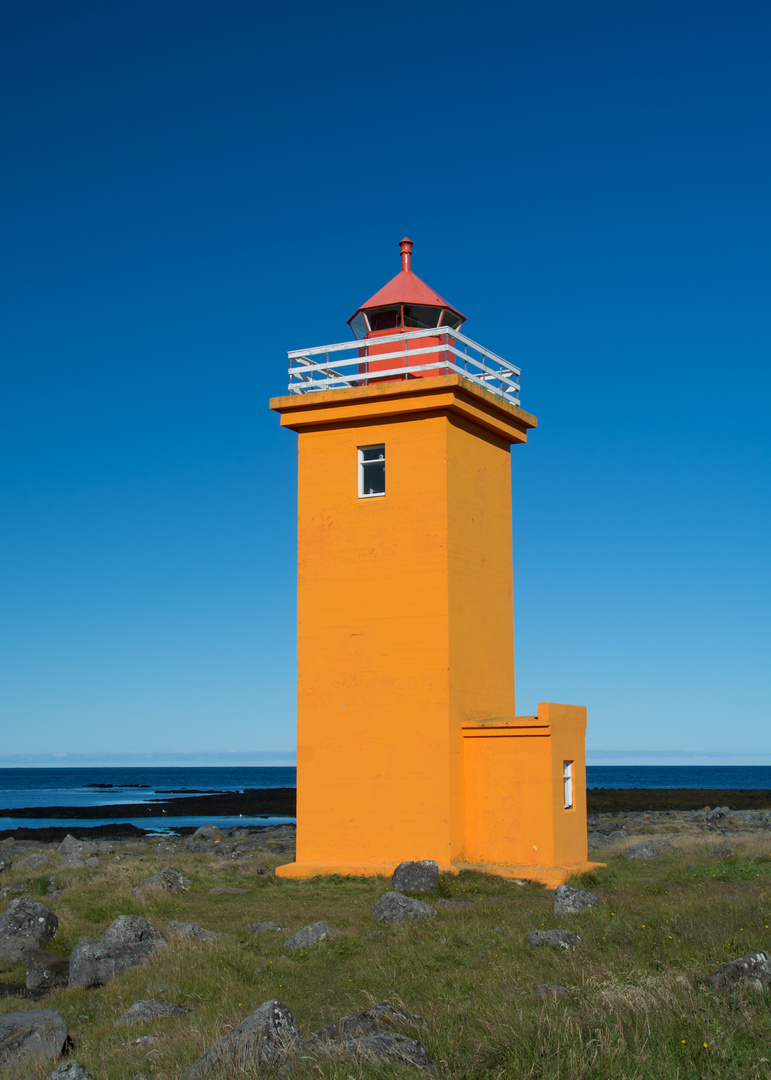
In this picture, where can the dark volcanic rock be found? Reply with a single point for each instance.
(615, 800)
(141, 1011)
(265, 1038)
(311, 935)
(208, 832)
(416, 877)
(555, 939)
(35, 861)
(644, 851)
(168, 880)
(552, 990)
(32, 1034)
(393, 908)
(191, 930)
(25, 924)
(45, 969)
(385, 1046)
(378, 1018)
(599, 840)
(264, 927)
(753, 971)
(569, 900)
(82, 848)
(128, 942)
(70, 1070)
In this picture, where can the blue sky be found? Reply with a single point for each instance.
(190, 189)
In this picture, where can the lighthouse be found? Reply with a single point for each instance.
(408, 742)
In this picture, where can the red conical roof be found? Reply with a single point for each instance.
(406, 288)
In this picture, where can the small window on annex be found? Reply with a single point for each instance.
(371, 471)
(567, 783)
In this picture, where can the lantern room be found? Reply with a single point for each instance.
(405, 303)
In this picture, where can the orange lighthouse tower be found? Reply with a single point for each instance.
(409, 746)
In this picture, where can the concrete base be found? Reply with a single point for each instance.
(308, 869)
(550, 876)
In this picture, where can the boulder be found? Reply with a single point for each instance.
(378, 1018)
(717, 817)
(34, 861)
(394, 908)
(191, 930)
(552, 990)
(145, 1042)
(5, 863)
(168, 880)
(207, 832)
(385, 1046)
(45, 969)
(81, 848)
(70, 1070)
(128, 942)
(724, 851)
(644, 851)
(555, 939)
(568, 900)
(73, 862)
(264, 927)
(265, 1038)
(753, 971)
(31, 1034)
(25, 924)
(142, 1011)
(311, 935)
(597, 841)
(416, 877)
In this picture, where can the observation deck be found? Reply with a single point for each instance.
(413, 354)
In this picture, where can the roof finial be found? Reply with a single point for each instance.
(406, 249)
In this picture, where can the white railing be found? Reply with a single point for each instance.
(327, 367)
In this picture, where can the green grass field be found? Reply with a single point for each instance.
(639, 1008)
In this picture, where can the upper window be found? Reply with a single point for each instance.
(371, 471)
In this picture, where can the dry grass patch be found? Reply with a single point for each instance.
(638, 1008)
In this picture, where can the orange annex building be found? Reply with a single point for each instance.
(409, 746)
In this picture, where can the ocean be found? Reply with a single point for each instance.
(112, 787)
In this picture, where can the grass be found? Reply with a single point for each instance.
(639, 1008)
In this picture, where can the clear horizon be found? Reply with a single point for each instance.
(201, 759)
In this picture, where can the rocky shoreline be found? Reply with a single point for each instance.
(252, 802)
(627, 809)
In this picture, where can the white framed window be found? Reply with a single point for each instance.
(567, 783)
(371, 471)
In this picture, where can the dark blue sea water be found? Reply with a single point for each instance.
(679, 776)
(113, 786)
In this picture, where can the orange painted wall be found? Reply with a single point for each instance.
(404, 630)
(515, 812)
(568, 726)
